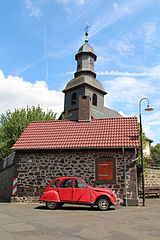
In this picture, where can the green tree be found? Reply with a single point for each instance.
(143, 146)
(155, 153)
(65, 116)
(12, 124)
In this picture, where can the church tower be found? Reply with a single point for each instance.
(84, 94)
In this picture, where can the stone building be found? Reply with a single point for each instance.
(96, 143)
(101, 151)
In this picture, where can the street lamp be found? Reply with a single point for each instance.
(148, 108)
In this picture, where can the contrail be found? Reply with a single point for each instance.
(22, 70)
(45, 54)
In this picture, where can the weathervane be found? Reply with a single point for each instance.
(86, 32)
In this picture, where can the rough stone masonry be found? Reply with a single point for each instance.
(36, 169)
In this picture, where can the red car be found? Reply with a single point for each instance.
(75, 190)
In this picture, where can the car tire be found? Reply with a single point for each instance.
(52, 205)
(103, 204)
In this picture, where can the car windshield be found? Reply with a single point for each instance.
(54, 184)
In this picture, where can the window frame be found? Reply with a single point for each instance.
(51, 185)
(64, 181)
(74, 98)
(78, 180)
(114, 170)
(94, 99)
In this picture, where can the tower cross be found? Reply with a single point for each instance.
(86, 32)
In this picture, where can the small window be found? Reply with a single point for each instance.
(54, 184)
(74, 99)
(66, 183)
(92, 61)
(94, 99)
(106, 170)
(79, 184)
(78, 65)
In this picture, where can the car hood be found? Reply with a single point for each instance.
(98, 189)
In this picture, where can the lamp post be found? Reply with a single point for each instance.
(148, 108)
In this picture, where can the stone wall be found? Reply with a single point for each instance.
(152, 176)
(36, 169)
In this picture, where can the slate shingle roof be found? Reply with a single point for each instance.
(107, 113)
(65, 134)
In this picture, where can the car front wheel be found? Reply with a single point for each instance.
(103, 204)
(52, 205)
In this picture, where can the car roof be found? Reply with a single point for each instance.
(63, 178)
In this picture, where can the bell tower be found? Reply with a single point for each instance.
(85, 59)
(84, 84)
(84, 94)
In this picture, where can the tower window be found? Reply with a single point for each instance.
(74, 99)
(94, 99)
(91, 61)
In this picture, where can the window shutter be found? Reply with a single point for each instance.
(105, 170)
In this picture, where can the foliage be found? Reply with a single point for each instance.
(65, 116)
(147, 159)
(12, 124)
(155, 153)
(143, 146)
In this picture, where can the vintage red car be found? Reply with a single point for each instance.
(74, 190)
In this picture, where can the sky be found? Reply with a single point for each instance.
(39, 40)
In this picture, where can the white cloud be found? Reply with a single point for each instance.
(33, 10)
(67, 2)
(115, 5)
(150, 28)
(151, 122)
(117, 73)
(127, 89)
(71, 8)
(81, 2)
(152, 73)
(118, 7)
(123, 47)
(148, 131)
(122, 113)
(154, 117)
(126, 92)
(15, 92)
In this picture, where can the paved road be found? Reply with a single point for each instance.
(35, 222)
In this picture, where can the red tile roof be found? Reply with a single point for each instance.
(65, 134)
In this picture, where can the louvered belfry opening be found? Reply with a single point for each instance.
(84, 112)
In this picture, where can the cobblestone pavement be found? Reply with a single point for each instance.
(35, 222)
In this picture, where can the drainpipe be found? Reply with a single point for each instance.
(125, 177)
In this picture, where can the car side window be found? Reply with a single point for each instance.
(79, 184)
(54, 184)
(66, 184)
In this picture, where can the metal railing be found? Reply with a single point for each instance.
(7, 162)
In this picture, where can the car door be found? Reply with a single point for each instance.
(81, 192)
(65, 190)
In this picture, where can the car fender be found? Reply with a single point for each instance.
(50, 196)
(109, 196)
